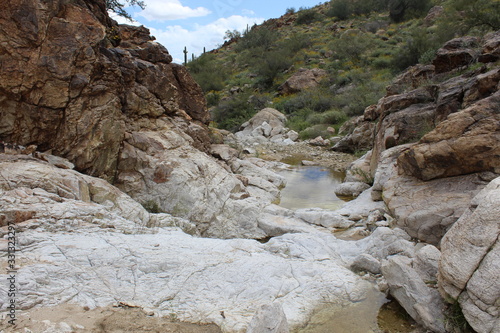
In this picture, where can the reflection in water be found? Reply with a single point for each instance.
(311, 186)
(360, 317)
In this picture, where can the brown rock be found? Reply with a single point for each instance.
(466, 142)
(492, 44)
(434, 13)
(412, 77)
(303, 79)
(401, 101)
(319, 141)
(456, 53)
(427, 209)
(406, 125)
(74, 82)
(371, 113)
(361, 138)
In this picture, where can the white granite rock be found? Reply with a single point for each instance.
(470, 261)
(270, 318)
(424, 304)
(351, 189)
(322, 217)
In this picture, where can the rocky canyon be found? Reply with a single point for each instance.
(115, 193)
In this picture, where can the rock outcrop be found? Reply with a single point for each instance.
(469, 265)
(268, 125)
(74, 82)
(302, 80)
(464, 143)
(443, 135)
(108, 99)
(435, 147)
(456, 53)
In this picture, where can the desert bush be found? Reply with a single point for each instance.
(307, 16)
(340, 9)
(230, 113)
(333, 117)
(269, 66)
(401, 10)
(294, 43)
(208, 73)
(352, 46)
(257, 37)
(314, 131)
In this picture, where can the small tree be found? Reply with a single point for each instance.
(340, 9)
(117, 6)
(477, 13)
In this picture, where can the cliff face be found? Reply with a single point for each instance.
(108, 98)
(74, 82)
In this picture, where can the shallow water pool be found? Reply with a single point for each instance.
(311, 186)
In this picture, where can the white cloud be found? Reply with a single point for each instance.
(122, 20)
(175, 38)
(164, 10)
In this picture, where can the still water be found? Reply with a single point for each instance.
(311, 186)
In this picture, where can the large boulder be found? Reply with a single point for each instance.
(302, 80)
(421, 302)
(470, 261)
(466, 142)
(268, 124)
(425, 209)
(358, 136)
(404, 118)
(456, 53)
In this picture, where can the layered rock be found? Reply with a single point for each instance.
(466, 142)
(425, 209)
(458, 52)
(469, 265)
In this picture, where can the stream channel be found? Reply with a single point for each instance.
(313, 186)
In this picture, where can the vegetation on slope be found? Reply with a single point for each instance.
(361, 44)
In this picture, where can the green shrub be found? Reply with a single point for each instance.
(208, 73)
(269, 66)
(294, 43)
(257, 37)
(213, 98)
(233, 112)
(333, 117)
(400, 10)
(340, 9)
(307, 16)
(315, 131)
(420, 45)
(352, 46)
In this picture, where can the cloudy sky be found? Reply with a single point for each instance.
(197, 24)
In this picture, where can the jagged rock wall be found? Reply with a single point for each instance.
(74, 82)
(108, 98)
(451, 121)
(435, 147)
